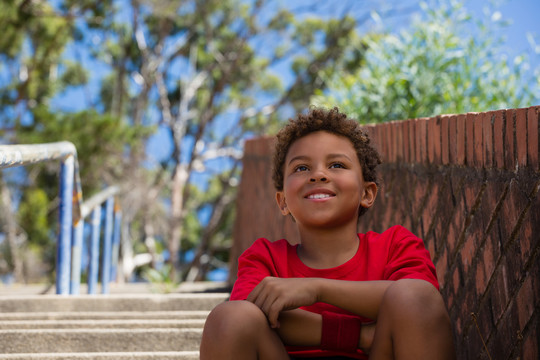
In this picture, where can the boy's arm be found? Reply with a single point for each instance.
(273, 295)
(303, 328)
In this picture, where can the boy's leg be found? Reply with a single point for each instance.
(239, 330)
(413, 323)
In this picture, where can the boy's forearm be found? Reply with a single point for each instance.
(300, 328)
(303, 328)
(359, 297)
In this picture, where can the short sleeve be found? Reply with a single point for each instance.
(408, 258)
(256, 263)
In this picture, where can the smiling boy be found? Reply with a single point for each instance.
(338, 294)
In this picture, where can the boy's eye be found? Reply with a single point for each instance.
(337, 166)
(301, 168)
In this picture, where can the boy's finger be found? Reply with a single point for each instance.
(273, 313)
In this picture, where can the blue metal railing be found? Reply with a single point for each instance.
(72, 214)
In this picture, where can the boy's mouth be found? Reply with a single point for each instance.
(319, 196)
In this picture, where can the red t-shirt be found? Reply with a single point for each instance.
(395, 254)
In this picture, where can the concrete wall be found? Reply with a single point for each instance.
(469, 186)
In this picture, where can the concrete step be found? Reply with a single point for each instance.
(116, 288)
(101, 324)
(158, 355)
(98, 340)
(117, 303)
(136, 324)
(104, 315)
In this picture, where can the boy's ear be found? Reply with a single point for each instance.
(369, 195)
(280, 199)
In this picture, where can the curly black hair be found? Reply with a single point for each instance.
(334, 122)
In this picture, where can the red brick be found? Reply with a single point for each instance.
(421, 133)
(456, 282)
(500, 293)
(437, 140)
(488, 262)
(400, 135)
(412, 141)
(442, 269)
(380, 140)
(395, 138)
(509, 140)
(469, 138)
(480, 280)
(498, 139)
(419, 193)
(461, 140)
(478, 153)
(533, 113)
(452, 139)
(391, 142)
(521, 136)
(449, 299)
(430, 248)
(525, 302)
(431, 138)
(387, 140)
(512, 207)
(526, 236)
(487, 128)
(406, 145)
(504, 339)
(445, 149)
(530, 345)
(429, 212)
(467, 253)
(511, 258)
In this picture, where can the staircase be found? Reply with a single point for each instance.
(130, 323)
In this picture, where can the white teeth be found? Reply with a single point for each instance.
(318, 196)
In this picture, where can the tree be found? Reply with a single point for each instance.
(203, 74)
(35, 70)
(434, 67)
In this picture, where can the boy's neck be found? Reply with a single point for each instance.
(323, 249)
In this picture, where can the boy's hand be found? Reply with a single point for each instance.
(273, 295)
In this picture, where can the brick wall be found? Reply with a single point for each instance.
(469, 186)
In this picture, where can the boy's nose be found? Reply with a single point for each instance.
(318, 177)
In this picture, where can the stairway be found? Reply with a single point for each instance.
(124, 325)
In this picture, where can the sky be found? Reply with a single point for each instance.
(524, 19)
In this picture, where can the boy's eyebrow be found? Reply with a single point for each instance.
(306, 157)
(299, 157)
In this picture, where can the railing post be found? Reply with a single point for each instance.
(63, 253)
(116, 240)
(76, 253)
(94, 251)
(107, 246)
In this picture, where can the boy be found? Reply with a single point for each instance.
(338, 294)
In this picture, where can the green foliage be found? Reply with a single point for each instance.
(150, 56)
(160, 279)
(34, 209)
(434, 67)
(100, 140)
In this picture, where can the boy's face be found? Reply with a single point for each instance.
(323, 183)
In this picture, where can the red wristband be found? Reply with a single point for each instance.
(340, 332)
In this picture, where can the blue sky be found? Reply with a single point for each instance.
(523, 15)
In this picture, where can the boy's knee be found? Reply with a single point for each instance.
(416, 298)
(234, 317)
